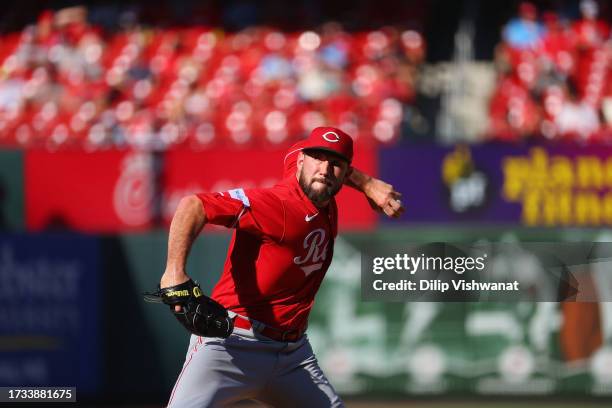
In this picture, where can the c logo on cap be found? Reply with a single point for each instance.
(331, 140)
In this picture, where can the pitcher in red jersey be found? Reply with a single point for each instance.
(281, 248)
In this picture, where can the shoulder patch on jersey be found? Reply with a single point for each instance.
(239, 194)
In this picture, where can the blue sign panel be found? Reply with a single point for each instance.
(49, 311)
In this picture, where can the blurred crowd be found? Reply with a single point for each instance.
(554, 77)
(67, 83)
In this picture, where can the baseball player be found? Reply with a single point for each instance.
(249, 338)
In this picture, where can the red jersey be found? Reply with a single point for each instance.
(280, 251)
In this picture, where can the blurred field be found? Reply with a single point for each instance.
(364, 404)
(421, 404)
(479, 404)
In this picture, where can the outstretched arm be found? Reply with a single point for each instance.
(381, 196)
(187, 223)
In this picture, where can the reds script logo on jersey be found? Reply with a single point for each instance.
(316, 252)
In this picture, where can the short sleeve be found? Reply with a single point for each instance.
(221, 208)
(258, 211)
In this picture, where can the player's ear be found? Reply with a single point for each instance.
(300, 161)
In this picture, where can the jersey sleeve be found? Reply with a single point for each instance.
(258, 211)
(290, 162)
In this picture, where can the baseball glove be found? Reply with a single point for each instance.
(199, 314)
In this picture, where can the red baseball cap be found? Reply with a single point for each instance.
(332, 140)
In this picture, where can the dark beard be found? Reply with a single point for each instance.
(317, 198)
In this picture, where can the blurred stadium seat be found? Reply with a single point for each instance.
(552, 85)
(67, 83)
